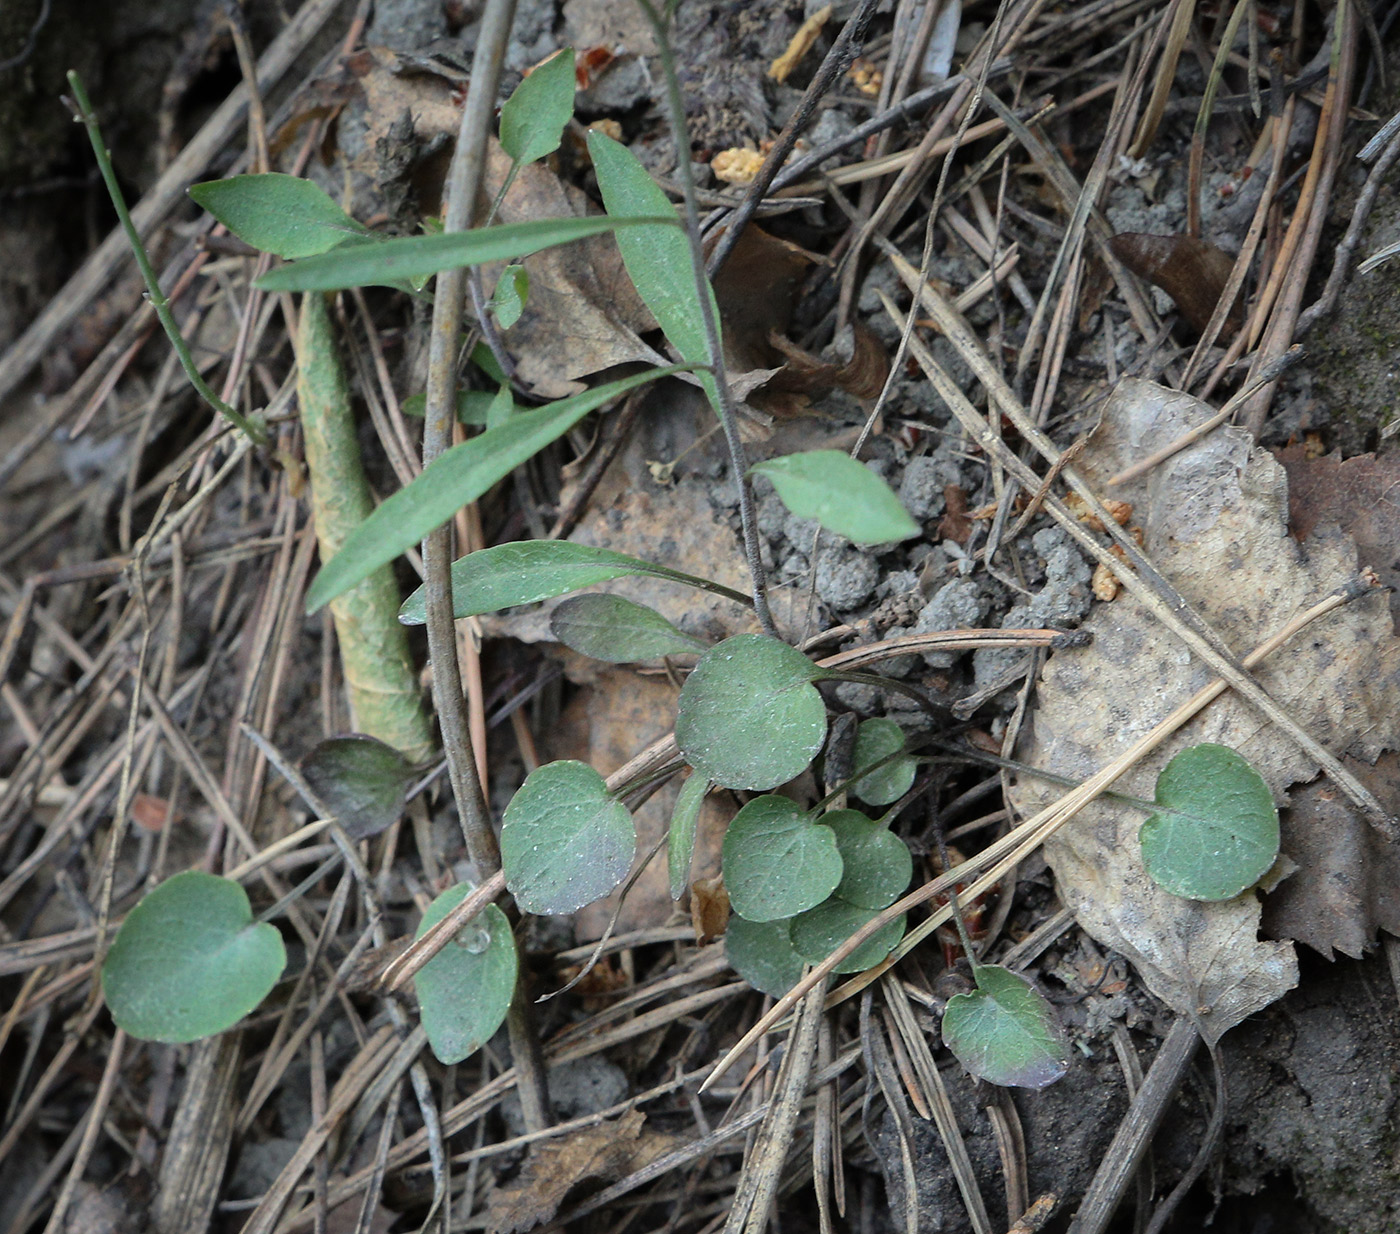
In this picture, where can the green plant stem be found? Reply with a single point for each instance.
(721, 396)
(255, 431)
(440, 414)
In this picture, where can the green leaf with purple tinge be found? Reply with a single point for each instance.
(1005, 1031)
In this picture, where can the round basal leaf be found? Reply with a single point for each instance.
(465, 990)
(761, 953)
(1006, 1032)
(512, 290)
(876, 865)
(1217, 832)
(360, 780)
(565, 841)
(819, 931)
(279, 214)
(877, 739)
(777, 861)
(189, 961)
(680, 840)
(749, 716)
(844, 496)
(534, 117)
(617, 630)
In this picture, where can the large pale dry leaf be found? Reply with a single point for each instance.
(1215, 518)
(601, 1154)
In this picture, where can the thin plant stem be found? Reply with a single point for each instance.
(721, 397)
(251, 428)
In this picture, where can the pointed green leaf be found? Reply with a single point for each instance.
(844, 496)
(876, 865)
(465, 990)
(877, 739)
(410, 257)
(1217, 833)
(524, 571)
(508, 301)
(189, 962)
(618, 630)
(361, 780)
(761, 953)
(501, 407)
(279, 214)
(1006, 1032)
(455, 478)
(819, 931)
(749, 716)
(533, 118)
(777, 861)
(658, 259)
(473, 406)
(680, 840)
(565, 841)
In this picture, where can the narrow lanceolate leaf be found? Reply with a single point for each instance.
(618, 630)
(819, 931)
(761, 953)
(279, 214)
(473, 406)
(777, 861)
(1217, 832)
(458, 476)
(465, 990)
(413, 257)
(877, 739)
(680, 840)
(658, 259)
(565, 841)
(876, 864)
(749, 716)
(844, 496)
(189, 961)
(1006, 1032)
(528, 570)
(533, 118)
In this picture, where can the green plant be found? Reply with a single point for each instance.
(750, 716)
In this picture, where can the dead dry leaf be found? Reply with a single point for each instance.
(1360, 495)
(601, 1154)
(1215, 523)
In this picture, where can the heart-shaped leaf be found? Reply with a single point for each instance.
(565, 841)
(1005, 1032)
(844, 496)
(361, 780)
(876, 865)
(819, 931)
(777, 861)
(508, 300)
(618, 630)
(405, 258)
(454, 479)
(761, 953)
(1217, 832)
(279, 214)
(465, 990)
(680, 840)
(749, 716)
(875, 740)
(533, 118)
(189, 961)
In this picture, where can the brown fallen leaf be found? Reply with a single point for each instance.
(709, 909)
(1215, 524)
(1360, 495)
(1192, 271)
(601, 1154)
(1347, 886)
(956, 523)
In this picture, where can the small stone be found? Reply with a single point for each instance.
(845, 577)
(958, 605)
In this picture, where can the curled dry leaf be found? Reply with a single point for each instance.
(1193, 272)
(1215, 524)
